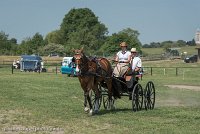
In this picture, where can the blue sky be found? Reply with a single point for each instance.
(155, 20)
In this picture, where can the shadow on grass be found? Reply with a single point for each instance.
(102, 112)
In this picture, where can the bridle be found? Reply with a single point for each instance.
(81, 62)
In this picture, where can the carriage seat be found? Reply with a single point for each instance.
(132, 77)
(129, 73)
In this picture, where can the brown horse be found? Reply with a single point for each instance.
(90, 74)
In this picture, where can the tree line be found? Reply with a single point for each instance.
(167, 44)
(79, 28)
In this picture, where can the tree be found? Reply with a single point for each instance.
(53, 48)
(7, 47)
(13, 40)
(155, 44)
(146, 46)
(167, 45)
(181, 43)
(128, 35)
(132, 38)
(191, 43)
(37, 42)
(4, 44)
(54, 37)
(24, 47)
(80, 27)
(32, 45)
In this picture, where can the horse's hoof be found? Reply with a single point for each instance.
(91, 112)
(86, 109)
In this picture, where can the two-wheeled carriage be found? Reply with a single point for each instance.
(129, 86)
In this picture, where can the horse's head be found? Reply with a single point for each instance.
(78, 55)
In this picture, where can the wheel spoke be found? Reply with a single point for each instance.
(149, 95)
(137, 97)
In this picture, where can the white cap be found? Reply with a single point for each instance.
(133, 50)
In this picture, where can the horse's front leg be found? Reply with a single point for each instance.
(86, 109)
(90, 103)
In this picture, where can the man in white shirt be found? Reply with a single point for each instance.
(123, 58)
(136, 62)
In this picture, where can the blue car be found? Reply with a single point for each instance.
(68, 66)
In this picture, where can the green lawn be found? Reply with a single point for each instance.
(51, 103)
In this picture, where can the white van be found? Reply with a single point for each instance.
(66, 61)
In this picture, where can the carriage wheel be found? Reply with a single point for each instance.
(106, 102)
(100, 91)
(93, 98)
(149, 95)
(137, 97)
(105, 98)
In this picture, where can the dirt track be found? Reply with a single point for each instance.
(187, 87)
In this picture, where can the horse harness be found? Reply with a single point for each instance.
(97, 70)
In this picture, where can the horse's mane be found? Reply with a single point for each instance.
(85, 58)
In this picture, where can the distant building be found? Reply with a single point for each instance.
(197, 37)
(197, 41)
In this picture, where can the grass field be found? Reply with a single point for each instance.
(47, 103)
